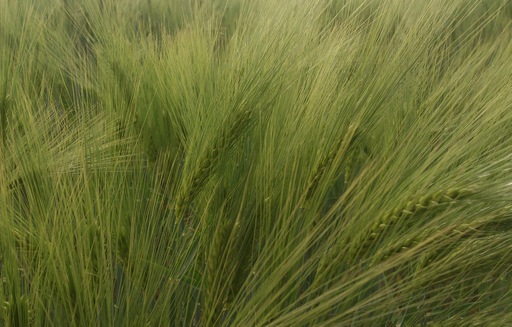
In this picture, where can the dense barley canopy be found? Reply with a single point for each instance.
(255, 163)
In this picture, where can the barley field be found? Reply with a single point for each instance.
(255, 163)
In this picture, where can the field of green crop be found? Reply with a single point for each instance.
(255, 163)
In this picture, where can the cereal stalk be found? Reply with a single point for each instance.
(217, 278)
(17, 311)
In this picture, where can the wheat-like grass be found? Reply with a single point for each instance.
(351, 160)
(406, 212)
(407, 243)
(452, 237)
(423, 81)
(200, 176)
(124, 82)
(356, 248)
(147, 138)
(17, 311)
(325, 265)
(4, 105)
(219, 271)
(123, 244)
(340, 150)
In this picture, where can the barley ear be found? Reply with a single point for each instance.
(340, 149)
(458, 233)
(224, 141)
(408, 211)
(400, 246)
